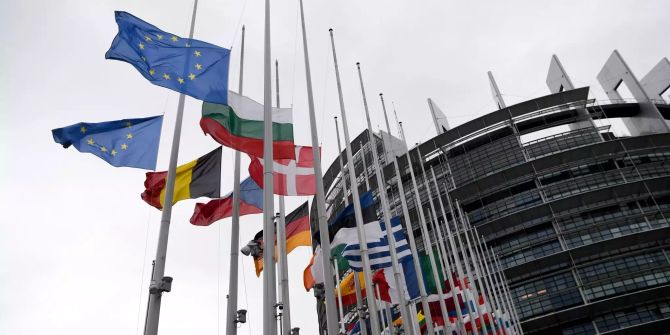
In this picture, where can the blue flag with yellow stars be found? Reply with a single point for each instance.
(188, 66)
(130, 142)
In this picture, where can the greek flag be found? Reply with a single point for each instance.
(378, 249)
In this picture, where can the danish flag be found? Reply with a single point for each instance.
(291, 177)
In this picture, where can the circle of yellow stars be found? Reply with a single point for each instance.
(103, 149)
(166, 76)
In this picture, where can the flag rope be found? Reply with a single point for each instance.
(144, 267)
(239, 23)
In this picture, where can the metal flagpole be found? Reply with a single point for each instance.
(281, 246)
(497, 308)
(504, 298)
(231, 326)
(410, 232)
(425, 237)
(374, 318)
(477, 272)
(269, 298)
(454, 248)
(331, 314)
(339, 296)
(357, 281)
(441, 251)
(339, 150)
(365, 166)
(466, 261)
(449, 247)
(381, 306)
(503, 281)
(381, 188)
(160, 283)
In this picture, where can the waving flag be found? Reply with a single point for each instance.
(379, 250)
(291, 176)
(128, 142)
(198, 178)
(239, 125)
(187, 66)
(297, 234)
(251, 202)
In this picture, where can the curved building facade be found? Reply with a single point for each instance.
(577, 213)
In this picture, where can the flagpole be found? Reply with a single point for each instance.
(410, 232)
(503, 281)
(454, 248)
(339, 296)
(369, 293)
(466, 264)
(281, 246)
(425, 237)
(381, 188)
(322, 220)
(160, 283)
(475, 267)
(357, 281)
(487, 277)
(231, 325)
(448, 247)
(365, 166)
(270, 325)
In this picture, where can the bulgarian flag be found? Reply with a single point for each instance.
(239, 125)
(292, 177)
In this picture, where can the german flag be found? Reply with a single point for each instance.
(297, 234)
(199, 178)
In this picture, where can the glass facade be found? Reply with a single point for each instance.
(579, 219)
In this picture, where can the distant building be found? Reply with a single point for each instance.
(577, 211)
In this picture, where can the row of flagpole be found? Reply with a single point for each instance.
(487, 276)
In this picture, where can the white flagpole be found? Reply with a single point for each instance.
(475, 267)
(160, 283)
(503, 281)
(425, 237)
(374, 318)
(331, 313)
(231, 325)
(269, 298)
(473, 288)
(339, 296)
(381, 306)
(365, 167)
(410, 232)
(497, 308)
(446, 269)
(504, 301)
(357, 281)
(449, 247)
(281, 245)
(381, 188)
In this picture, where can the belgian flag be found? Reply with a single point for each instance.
(199, 178)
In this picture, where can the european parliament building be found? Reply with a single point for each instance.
(572, 193)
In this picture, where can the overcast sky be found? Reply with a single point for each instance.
(76, 240)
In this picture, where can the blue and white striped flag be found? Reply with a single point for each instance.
(378, 250)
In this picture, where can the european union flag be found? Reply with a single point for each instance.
(188, 66)
(129, 142)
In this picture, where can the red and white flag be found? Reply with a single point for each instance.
(291, 177)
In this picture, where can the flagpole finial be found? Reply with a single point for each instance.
(242, 27)
(381, 94)
(330, 30)
(358, 65)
